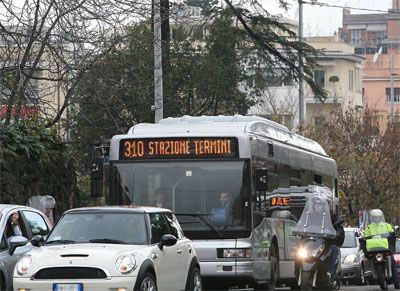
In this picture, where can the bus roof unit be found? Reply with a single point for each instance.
(232, 125)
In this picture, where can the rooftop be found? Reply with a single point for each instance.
(364, 18)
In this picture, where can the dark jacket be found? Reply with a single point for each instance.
(337, 224)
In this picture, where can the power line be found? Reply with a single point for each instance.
(322, 4)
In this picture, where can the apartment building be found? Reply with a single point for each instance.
(376, 36)
(338, 71)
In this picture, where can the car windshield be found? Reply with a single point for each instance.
(100, 227)
(205, 195)
(349, 240)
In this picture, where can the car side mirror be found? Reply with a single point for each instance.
(37, 241)
(15, 242)
(167, 240)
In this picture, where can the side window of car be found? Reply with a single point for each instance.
(174, 226)
(36, 223)
(159, 226)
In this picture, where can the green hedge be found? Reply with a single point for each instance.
(34, 161)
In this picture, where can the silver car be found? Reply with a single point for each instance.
(18, 224)
(355, 266)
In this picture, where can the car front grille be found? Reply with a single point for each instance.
(70, 273)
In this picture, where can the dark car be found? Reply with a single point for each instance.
(28, 222)
(355, 266)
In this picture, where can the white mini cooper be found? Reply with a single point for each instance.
(111, 248)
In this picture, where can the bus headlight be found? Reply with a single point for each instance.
(24, 265)
(236, 253)
(125, 264)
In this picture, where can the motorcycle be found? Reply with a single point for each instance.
(314, 252)
(380, 260)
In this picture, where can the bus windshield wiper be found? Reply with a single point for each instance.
(200, 216)
(60, 241)
(107, 240)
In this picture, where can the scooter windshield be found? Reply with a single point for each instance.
(315, 219)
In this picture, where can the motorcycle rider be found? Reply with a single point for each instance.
(378, 226)
(318, 207)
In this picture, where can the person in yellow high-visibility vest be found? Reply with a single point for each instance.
(377, 227)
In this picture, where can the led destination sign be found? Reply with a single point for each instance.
(179, 148)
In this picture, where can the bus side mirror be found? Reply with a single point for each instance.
(96, 178)
(261, 180)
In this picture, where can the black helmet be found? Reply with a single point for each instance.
(317, 200)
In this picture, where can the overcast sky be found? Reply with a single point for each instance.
(324, 21)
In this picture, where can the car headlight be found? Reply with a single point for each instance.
(125, 264)
(350, 259)
(237, 253)
(24, 264)
(302, 253)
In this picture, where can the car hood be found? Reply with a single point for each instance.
(101, 256)
(347, 251)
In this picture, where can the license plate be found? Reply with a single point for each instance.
(68, 287)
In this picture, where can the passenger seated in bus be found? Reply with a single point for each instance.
(223, 211)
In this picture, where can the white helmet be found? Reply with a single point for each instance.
(48, 201)
(376, 215)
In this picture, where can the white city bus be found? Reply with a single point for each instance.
(190, 161)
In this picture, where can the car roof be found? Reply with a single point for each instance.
(9, 207)
(351, 229)
(130, 208)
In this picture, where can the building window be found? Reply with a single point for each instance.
(319, 78)
(357, 80)
(351, 80)
(356, 37)
(396, 95)
(380, 36)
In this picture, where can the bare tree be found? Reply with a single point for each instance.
(47, 46)
(279, 104)
(368, 160)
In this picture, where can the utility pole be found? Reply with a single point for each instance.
(158, 78)
(391, 85)
(301, 69)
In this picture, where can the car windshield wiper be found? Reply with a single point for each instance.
(107, 240)
(200, 216)
(60, 241)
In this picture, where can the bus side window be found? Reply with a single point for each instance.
(307, 178)
(317, 179)
(327, 181)
(284, 173)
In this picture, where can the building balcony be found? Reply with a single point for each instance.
(329, 100)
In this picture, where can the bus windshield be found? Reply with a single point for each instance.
(206, 195)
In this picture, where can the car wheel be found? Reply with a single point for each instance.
(194, 280)
(148, 283)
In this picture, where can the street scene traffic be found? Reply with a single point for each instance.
(199, 145)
